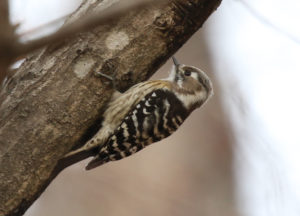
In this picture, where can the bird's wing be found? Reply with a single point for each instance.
(153, 118)
(119, 106)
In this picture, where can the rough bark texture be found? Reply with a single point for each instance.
(54, 102)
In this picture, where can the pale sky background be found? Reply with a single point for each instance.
(256, 56)
(262, 62)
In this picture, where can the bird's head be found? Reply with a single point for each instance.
(191, 84)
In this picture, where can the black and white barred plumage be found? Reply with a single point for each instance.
(147, 113)
(155, 117)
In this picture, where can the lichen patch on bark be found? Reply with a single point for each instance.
(48, 64)
(83, 67)
(117, 40)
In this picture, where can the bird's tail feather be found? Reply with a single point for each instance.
(97, 161)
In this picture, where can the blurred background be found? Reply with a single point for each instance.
(238, 155)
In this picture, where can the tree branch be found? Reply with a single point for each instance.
(54, 102)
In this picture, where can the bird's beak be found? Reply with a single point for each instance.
(176, 63)
(177, 74)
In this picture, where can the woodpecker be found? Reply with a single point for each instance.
(147, 112)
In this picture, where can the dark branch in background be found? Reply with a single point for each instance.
(267, 22)
(7, 37)
(81, 25)
(11, 49)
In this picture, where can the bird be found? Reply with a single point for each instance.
(147, 113)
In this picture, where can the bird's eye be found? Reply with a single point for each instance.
(187, 73)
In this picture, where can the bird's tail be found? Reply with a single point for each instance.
(73, 158)
(97, 161)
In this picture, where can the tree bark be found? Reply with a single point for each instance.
(54, 102)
